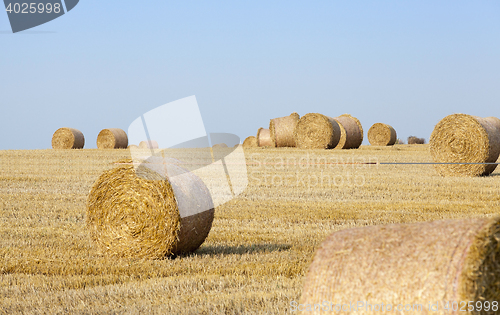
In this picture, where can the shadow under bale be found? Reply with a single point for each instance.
(241, 249)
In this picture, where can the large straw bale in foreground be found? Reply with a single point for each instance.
(382, 134)
(264, 138)
(407, 264)
(461, 138)
(112, 138)
(142, 213)
(68, 138)
(250, 142)
(281, 130)
(351, 132)
(317, 131)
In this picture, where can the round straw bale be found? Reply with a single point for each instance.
(317, 131)
(281, 130)
(133, 146)
(250, 142)
(461, 138)
(495, 121)
(141, 212)
(68, 138)
(351, 132)
(382, 134)
(112, 138)
(150, 144)
(342, 138)
(407, 264)
(264, 138)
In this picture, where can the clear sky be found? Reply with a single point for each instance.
(103, 64)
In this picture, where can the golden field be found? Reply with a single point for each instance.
(257, 253)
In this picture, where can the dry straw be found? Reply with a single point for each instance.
(461, 138)
(150, 144)
(495, 121)
(133, 146)
(281, 130)
(112, 138)
(140, 213)
(68, 138)
(250, 142)
(408, 264)
(382, 134)
(317, 131)
(264, 138)
(351, 132)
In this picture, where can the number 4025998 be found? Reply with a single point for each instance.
(33, 8)
(471, 306)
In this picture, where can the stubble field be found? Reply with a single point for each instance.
(261, 243)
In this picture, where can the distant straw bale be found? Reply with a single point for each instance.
(143, 213)
(382, 134)
(317, 131)
(68, 138)
(264, 138)
(495, 121)
(415, 140)
(281, 130)
(112, 138)
(408, 264)
(250, 142)
(133, 146)
(461, 138)
(219, 146)
(351, 132)
(150, 144)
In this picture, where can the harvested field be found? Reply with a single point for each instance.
(257, 254)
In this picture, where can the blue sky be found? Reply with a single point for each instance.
(103, 64)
